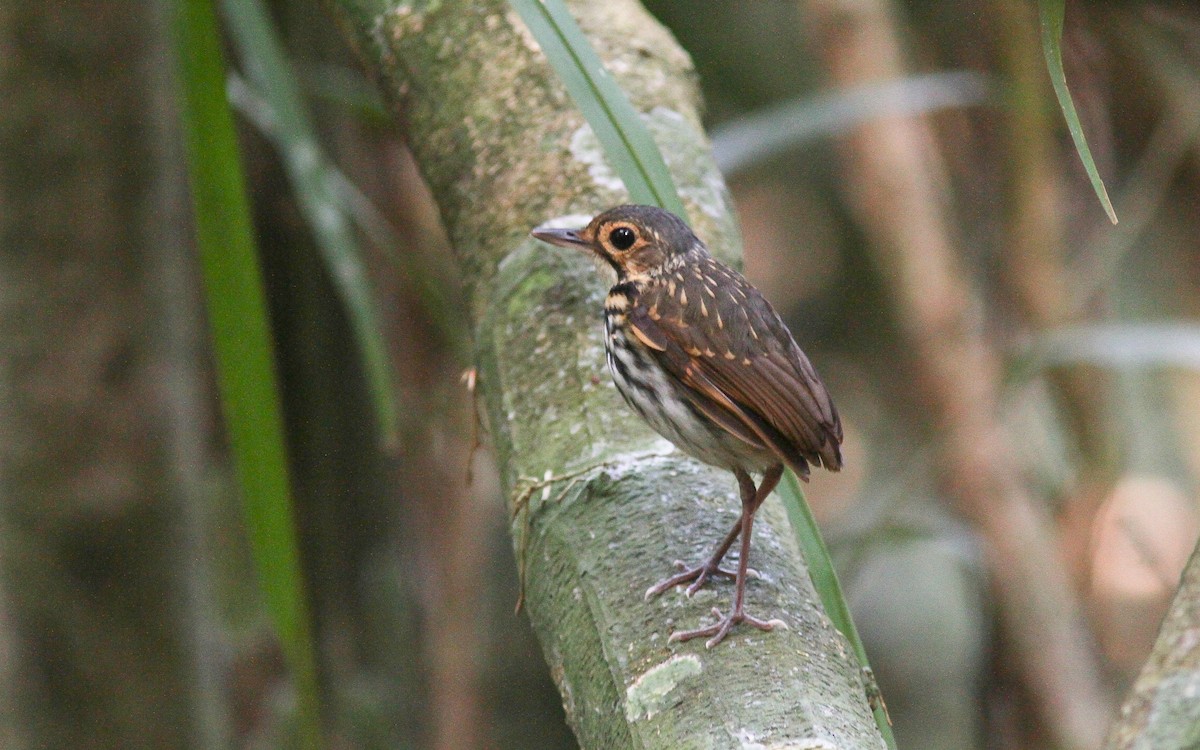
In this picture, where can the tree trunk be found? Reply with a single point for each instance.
(504, 149)
(1161, 710)
(101, 432)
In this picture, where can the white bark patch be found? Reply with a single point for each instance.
(568, 221)
(586, 148)
(747, 741)
(672, 132)
(652, 692)
(701, 184)
(1171, 722)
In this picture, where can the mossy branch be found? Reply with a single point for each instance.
(503, 149)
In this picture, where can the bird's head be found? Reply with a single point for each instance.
(634, 241)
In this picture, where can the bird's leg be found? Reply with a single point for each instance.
(700, 574)
(711, 568)
(751, 500)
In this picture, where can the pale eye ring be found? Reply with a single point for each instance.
(622, 238)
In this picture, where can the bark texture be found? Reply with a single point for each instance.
(503, 149)
(1161, 710)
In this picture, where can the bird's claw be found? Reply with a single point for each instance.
(718, 630)
(697, 577)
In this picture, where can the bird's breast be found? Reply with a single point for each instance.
(660, 401)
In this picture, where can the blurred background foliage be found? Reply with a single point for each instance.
(131, 607)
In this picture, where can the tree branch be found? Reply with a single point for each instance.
(106, 624)
(1161, 709)
(503, 149)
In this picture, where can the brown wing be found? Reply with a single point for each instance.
(719, 336)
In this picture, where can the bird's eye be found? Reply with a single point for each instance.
(622, 238)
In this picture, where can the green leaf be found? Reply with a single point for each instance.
(622, 133)
(241, 335)
(825, 581)
(348, 88)
(314, 183)
(444, 313)
(1051, 12)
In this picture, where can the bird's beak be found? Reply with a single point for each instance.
(561, 237)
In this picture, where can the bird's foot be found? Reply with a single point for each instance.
(697, 576)
(718, 630)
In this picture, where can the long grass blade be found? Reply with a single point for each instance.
(825, 581)
(241, 336)
(625, 138)
(769, 133)
(445, 315)
(315, 186)
(1051, 13)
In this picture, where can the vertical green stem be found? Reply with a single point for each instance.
(241, 336)
(825, 581)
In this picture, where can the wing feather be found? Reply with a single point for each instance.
(754, 381)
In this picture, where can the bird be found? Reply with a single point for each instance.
(701, 355)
